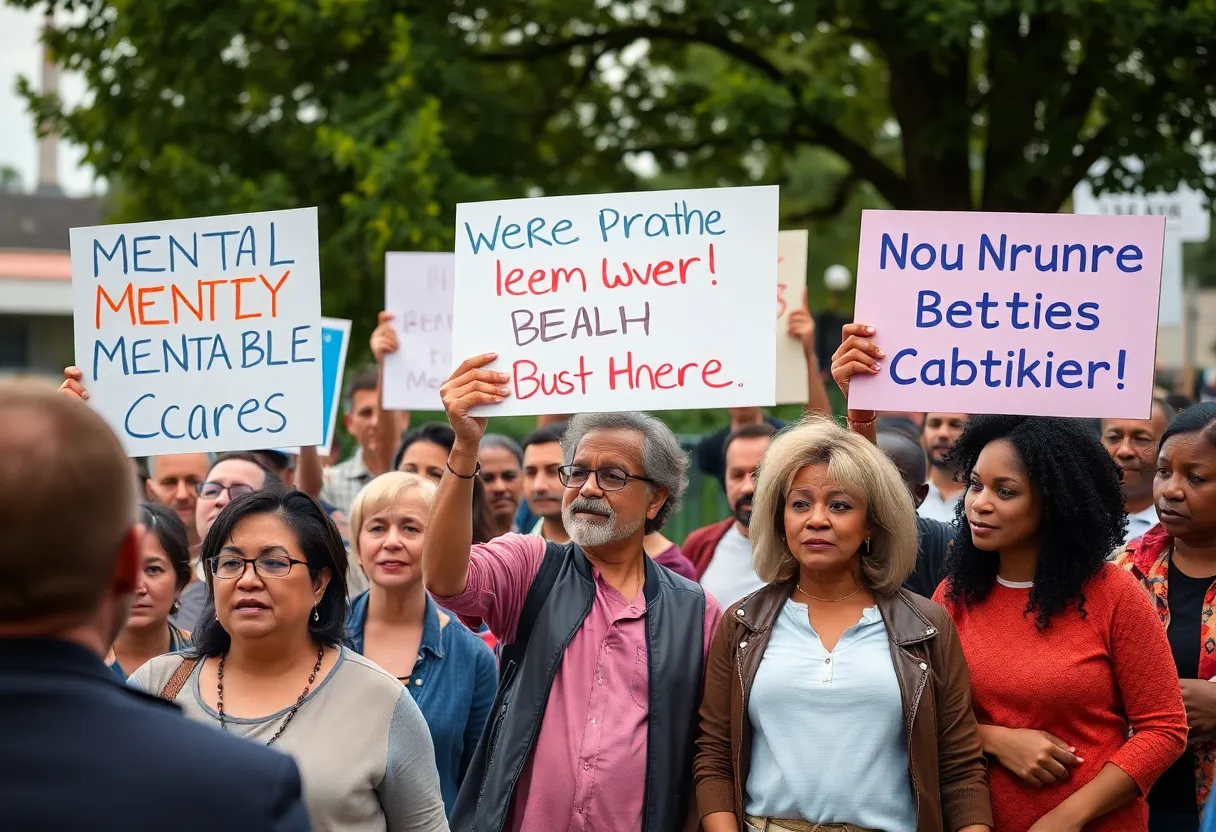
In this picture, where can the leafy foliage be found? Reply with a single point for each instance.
(938, 104)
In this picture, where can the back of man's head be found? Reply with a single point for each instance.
(68, 504)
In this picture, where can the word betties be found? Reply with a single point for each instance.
(202, 334)
(638, 301)
(1038, 314)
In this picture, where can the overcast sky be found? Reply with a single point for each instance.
(21, 54)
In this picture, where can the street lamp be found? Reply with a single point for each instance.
(837, 278)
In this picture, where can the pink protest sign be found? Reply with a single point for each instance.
(1031, 314)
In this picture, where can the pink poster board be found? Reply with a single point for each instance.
(1031, 314)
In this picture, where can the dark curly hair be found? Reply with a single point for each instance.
(1083, 513)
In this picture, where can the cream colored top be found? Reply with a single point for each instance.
(361, 744)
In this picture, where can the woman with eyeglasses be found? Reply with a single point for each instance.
(450, 672)
(233, 475)
(268, 665)
(163, 574)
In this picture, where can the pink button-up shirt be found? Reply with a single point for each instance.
(587, 771)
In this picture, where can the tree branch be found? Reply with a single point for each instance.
(815, 130)
(626, 35)
(832, 208)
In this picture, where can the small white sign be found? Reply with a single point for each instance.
(1188, 219)
(791, 295)
(636, 301)
(202, 334)
(1185, 210)
(418, 289)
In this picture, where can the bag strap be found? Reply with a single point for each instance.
(178, 680)
(538, 593)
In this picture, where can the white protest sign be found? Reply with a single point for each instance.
(637, 301)
(418, 289)
(1187, 220)
(791, 295)
(202, 334)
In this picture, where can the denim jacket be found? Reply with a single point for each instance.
(453, 683)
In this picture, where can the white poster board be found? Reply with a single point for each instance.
(1187, 220)
(611, 302)
(791, 295)
(418, 290)
(202, 334)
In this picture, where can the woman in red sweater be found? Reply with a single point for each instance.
(1073, 683)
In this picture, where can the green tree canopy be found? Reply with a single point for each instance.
(999, 105)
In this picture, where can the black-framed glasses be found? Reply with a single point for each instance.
(212, 490)
(264, 566)
(608, 479)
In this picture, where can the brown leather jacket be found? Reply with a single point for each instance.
(946, 760)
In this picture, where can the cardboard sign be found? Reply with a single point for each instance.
(418, 290)
(1033, 314)
(791, 295)
(335, 337)
(202, 334)
(610, 302)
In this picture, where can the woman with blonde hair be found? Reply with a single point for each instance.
(832, 695)
(450, 672)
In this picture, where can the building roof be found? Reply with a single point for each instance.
(40, 222)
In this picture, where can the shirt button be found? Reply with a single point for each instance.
(417, 681)
(924, 666)
(739, 612)
(600, 681)
(828, 660)
(586, 766)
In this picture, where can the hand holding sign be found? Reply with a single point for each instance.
(857, 354)
(468, 387)
(384, 338)
(72, 378)
(802, 327)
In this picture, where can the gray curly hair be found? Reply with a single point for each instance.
(663, 460)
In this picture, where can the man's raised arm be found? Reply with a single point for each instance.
(445, 551)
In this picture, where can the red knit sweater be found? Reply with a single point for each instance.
(1086, 680)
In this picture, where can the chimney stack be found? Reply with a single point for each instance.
(48, 143)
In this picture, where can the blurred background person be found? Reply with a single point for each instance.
(1132, 444)
(164, 572)
(502, 469)
(938, 434)
(721, 553)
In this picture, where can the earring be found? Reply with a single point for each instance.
(867, 545)
(176, 607)
(316, 615)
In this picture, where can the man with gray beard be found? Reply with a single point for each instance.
(594, 723)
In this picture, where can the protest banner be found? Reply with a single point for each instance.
(1032, 314)
(610, 302)
(335, 338)
(791, 295)
(418, 290)
(202, 334)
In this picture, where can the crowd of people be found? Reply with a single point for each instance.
(909, 622)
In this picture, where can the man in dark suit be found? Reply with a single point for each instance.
(77, 749)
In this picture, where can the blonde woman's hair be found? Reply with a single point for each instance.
(382, 492)
(859, 469)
